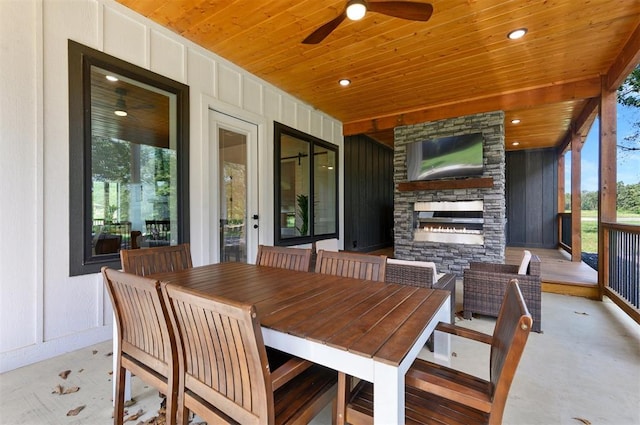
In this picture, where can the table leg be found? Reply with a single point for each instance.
(388, 395)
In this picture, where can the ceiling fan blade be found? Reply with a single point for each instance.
(321, 33)
(402, 9)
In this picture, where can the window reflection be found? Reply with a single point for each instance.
(133, 164)
(306, 198)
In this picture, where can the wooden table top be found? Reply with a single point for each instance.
(373, 319)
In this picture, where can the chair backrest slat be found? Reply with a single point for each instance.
(224, 358)
(351, 264)
(509, 338)
(146, 261)
(284, 257)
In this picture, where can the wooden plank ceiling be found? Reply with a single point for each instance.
(403, 72)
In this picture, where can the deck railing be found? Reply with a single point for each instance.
(565, 231)
(621, 266)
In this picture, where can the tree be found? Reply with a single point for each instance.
(629, 95)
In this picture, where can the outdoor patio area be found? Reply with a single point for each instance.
(583, 369)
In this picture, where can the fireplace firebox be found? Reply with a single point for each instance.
(457, 222)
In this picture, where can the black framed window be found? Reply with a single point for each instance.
(306, 195)
(128, 159)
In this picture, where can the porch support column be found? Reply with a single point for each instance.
(607, 177)
(576, 198)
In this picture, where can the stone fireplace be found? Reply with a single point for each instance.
(452, 222)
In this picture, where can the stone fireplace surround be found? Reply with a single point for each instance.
(450, 257)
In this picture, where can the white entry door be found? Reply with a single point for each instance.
(234, 181)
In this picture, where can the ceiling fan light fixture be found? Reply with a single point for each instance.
(516, 34)
(120, 113)
(121, 106)
(356, 10)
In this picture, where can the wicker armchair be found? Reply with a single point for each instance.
(416, 273)
(484, 285)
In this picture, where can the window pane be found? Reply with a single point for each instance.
(324, 185)
(133, 165)
(294, 187)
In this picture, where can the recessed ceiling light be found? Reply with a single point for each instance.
(120, 113)
(356, 10)
(515, 121)
(516, 34)
(515, 144)
(345, 82)
(112, 78)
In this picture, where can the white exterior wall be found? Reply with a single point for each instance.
(43, 311)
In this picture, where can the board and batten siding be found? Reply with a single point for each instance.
(43, 311)
(368, 194)
(532, 201)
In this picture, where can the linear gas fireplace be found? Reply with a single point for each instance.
(458, 222)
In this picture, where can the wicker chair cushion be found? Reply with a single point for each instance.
(417, 264)
(524, 264)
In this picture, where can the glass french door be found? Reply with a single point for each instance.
(236, 208)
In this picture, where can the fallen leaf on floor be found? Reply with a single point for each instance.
(130, 403)
(110, 372)
(81, 370)
(95, 352)
(58, 389)
(584, 421)
(581, 312)
(110, 353)
(71, 390)
(134, 416)
(64, 374)
(454, 354)
(74, 412)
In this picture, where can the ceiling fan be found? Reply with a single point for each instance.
(356, 9)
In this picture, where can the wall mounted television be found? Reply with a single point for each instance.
(445, 158)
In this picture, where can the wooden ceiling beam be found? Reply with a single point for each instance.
(582, 124)
(625, 62)
(581, 89)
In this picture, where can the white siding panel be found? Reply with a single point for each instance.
(272, 104)
(229, 82)
(201, 71)
(289, 111)
(316, 125)
(303, 116)
(125, 38)
(19, 127)
(252, 95)
(168, 57)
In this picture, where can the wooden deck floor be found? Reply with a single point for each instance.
(556, 266)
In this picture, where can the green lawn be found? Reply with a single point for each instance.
(590, 227)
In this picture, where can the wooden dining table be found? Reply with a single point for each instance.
(370, 330)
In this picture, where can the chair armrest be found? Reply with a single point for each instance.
(464, 332)
(288, 371)
(448, 282)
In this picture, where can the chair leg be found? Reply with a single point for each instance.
(344, 390)
(118, 409)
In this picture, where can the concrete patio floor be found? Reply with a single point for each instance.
(584, 368)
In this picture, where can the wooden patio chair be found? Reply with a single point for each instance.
(351, 264)
(146, 261)
(283, 257)
(438, 394)
(146, 345)
(484, 285)
(224, 372)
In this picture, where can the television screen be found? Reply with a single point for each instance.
(447, 157)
